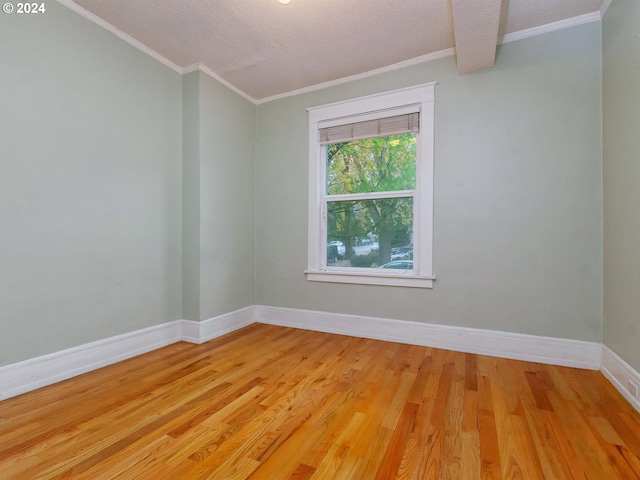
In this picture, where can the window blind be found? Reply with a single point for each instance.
(407, 123)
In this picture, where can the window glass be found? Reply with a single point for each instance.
(370, 233)
(378, 164)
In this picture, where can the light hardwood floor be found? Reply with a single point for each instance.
(269, 402)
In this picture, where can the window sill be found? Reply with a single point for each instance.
(398, 280)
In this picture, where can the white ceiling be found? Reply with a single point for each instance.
(264, 49)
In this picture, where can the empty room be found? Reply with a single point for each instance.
(320, 239)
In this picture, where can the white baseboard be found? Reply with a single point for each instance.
(200, 332)
(620, 373)
(45, 370)
(40, 371)
(555, 351)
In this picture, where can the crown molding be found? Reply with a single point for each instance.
(206, 70)
(605, 6)
(194, 67)
(509, 37)
(550, 27)
(119, 33)
(448, 52)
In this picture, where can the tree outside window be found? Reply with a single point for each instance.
(369, 228)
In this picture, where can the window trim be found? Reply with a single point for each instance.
(420, 98)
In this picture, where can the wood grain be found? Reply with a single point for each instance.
(274, 403)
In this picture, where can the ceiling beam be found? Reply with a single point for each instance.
(475, 24)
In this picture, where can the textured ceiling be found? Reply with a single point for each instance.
(263, 48)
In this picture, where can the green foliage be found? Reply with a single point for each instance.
(379, 164)
(371, 165)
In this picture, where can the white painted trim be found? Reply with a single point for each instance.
(34, 373)
(201, 332)
(550, 27)
(372, 278)
(40, 371)
(194, 67)
(448, 52)
(377, 105)
(605, 6)
(619, 373)
(421, 99)
(152, 53)
(215, 76)
(22, 377)
(119, 33)
(555, 351)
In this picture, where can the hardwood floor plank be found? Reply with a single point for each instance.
(580, 451)
(442, 395)
(391, 461)
(547, 449)
(303, 472)
(81, 440)
(537, 388)
(471, 463)
(277, 403)
(471, 372)
(490, 462)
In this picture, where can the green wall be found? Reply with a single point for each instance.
(621, 165)
(191, 196)
(227, 251)
(132, 196)
(90, 147)
(127, 191)
(518, 194)
(218, 253)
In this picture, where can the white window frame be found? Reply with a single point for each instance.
(420, 99)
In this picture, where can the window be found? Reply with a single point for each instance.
(371, 189)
